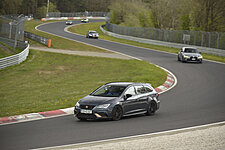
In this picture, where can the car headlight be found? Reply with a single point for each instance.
(90, 34)
(200, 57)
(103, 106)
(185, 56)
(77, 105)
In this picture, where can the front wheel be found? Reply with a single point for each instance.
(117, 113)
(151, 109)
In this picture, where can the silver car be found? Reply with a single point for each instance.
(189, 54)
(92, 34)
(69, 22)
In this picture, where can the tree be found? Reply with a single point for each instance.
(10, 6)
(28, 7)
(208, 15)
(130, 13)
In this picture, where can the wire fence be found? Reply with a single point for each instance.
(77, 14)
(10, 42)
(197, 38)
(12, 27)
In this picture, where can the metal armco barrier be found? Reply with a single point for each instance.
(70, 18)
(38, 38)
(198, 38)
(207, 50)
(14, 59)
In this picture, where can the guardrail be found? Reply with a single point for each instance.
(70, 18)
(14, 59)
(38, 38)
(78, 14)
(213, 51)
(198, 38)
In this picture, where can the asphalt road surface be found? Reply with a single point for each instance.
(198, 98)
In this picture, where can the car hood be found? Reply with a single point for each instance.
(192, 54)
(96, 100)
(93, 33)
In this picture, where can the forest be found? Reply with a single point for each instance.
(204, 15)
(38, 7)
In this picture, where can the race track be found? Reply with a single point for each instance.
(197, 99)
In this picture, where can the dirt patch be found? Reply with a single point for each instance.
(45, 72)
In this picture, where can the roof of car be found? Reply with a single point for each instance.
(124, 83)
(188, 47)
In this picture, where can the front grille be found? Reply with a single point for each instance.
(89, 107)
(86, 116)
(193, 58)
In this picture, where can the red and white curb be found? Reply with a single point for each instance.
(168, 84)
(35, 116)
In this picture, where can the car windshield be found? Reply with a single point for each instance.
(109, 91)
(92, 32)
(190, 50)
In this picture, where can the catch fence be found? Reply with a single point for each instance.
(12, 27)
(197, 38)
(77, 14)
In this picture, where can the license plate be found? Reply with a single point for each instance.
(193, 58)
(85, 111)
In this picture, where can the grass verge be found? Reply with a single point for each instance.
(83, 29)
(4, 53)
(6, 50)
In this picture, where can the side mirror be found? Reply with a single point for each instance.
(200, 52)
(127, 96)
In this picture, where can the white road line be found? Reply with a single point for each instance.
(169, 132)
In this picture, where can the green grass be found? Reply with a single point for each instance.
(4, 53)
(57, 42)
(49, 81)
(83, 29)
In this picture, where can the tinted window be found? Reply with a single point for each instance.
(140, 89)
(147, 89)
(130, 91)
(109, 91)
(190, 50)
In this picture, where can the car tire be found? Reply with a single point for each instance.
(117, 113)
(151, 108)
